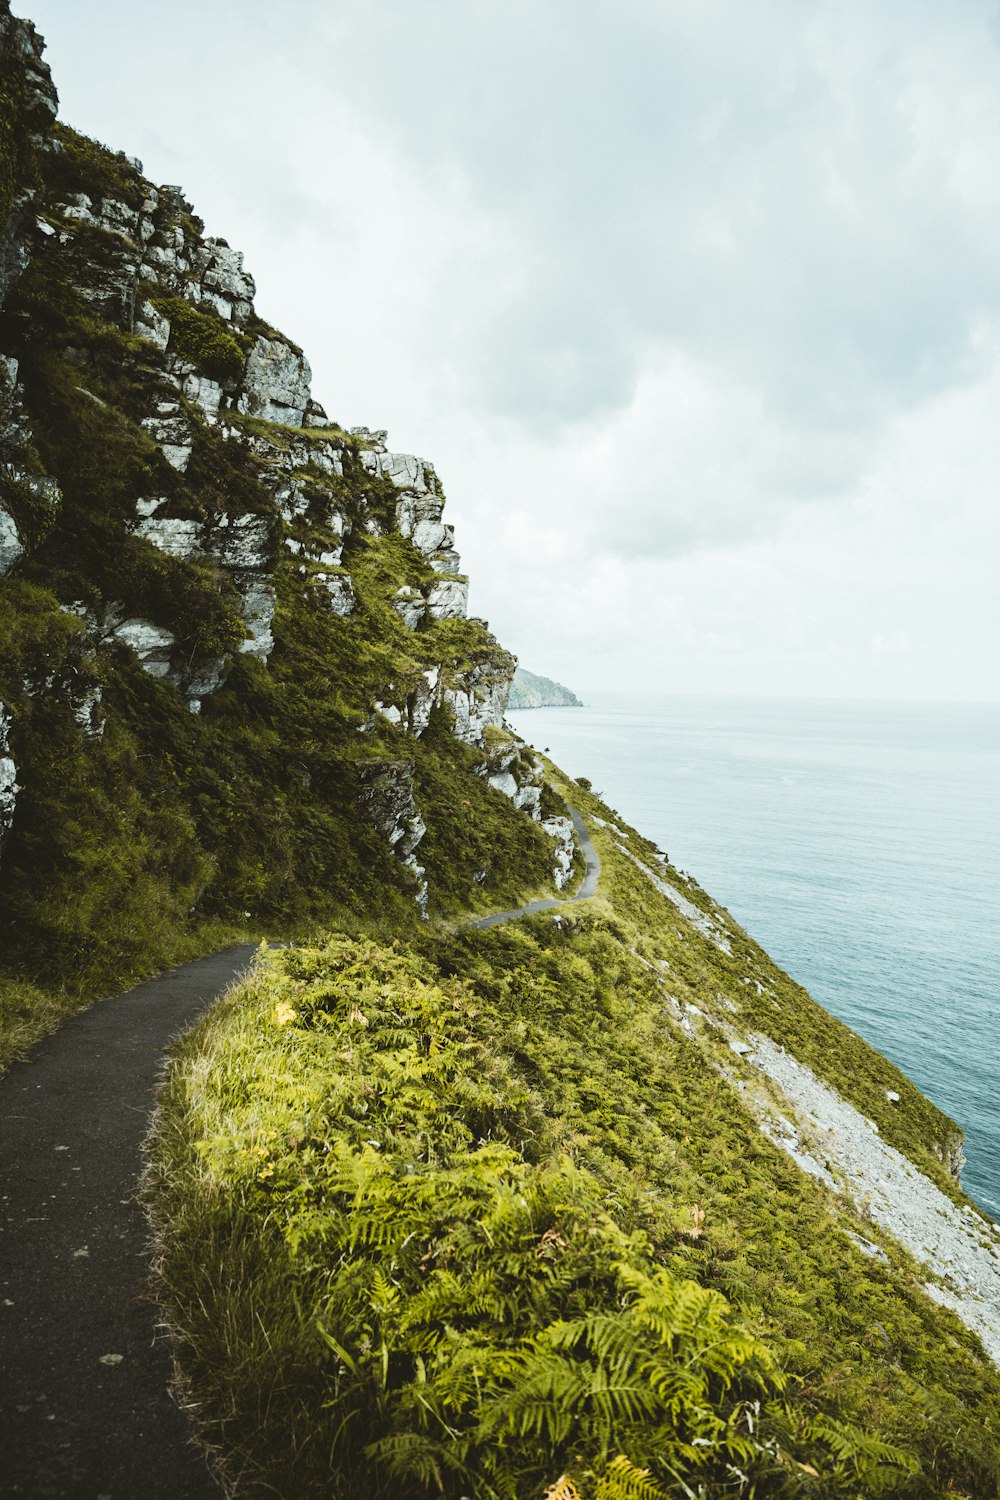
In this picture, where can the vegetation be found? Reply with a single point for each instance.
(200, 336)
(480, 1220)
(443, 1211)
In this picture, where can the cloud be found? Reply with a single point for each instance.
(674, 295)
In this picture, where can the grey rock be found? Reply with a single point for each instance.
(258, 614)
(339, 589)
(561, 831)
(448, 599)
(174, 537)
(315, 416)
(405, 471)
(152, 644)
(410, 605)
(8, 777)
(242, 543)
(152, 325)
(88, 712)
(276, 383)
(421, 701)
(205, 679)
(477, 702)
(224, 281)
(171, 429)
(204, 393)
(386, 801)
(11, 546)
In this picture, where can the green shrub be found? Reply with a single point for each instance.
(202, 338)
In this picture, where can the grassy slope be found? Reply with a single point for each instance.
(299, 1115)
(170, 833)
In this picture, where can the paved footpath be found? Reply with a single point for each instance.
(85, 1412)
(587, 889)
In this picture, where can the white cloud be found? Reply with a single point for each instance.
(694, 306)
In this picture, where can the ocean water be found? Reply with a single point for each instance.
(858, 843)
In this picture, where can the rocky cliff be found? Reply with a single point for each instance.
(244, 623)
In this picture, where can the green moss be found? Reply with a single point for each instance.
(200, 336)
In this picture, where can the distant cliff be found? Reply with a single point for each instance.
(528, 690)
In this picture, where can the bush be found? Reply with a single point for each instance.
(203, 339)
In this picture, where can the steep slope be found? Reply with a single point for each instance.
(595, 1204)
(237, 680)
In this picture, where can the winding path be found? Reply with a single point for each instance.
(587, 889)
(84, 1366)
(85, 1411)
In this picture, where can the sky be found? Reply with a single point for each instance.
(693, 304)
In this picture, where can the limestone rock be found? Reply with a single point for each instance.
(152, 644)
(561, 830)
(448, 599)
(11, 547)
(33, 97)
(419, 518)
(152, 325)
(224, 282)
(339, 590)
(202, 392)
(258, 614)
(421, 701)
(405, 471)
(175, 538)
(88, 711)
(478, 701)
(276, 383)
(386, 801)
(169, 427)
(509, 774)
(205, 679)
(410, 605)
(242, 543)
(8, 777)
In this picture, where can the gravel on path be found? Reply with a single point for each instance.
(84, 1365)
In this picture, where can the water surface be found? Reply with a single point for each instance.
(859, 843)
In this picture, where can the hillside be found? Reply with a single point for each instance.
(531, 691)
(591, 1204)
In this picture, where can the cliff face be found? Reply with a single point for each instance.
(528, 690)
(226, 620)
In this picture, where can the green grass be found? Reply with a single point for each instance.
(334, 1133)
(29, 1012)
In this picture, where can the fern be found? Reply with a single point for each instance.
(622, 1480)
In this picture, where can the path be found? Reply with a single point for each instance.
(85, 1412)
(587, 889)
(84, 1367)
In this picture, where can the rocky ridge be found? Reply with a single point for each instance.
(215, 387)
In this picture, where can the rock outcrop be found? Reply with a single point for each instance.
(8, 778)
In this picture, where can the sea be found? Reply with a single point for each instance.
(857, 842)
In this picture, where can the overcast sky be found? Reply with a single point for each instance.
(694, 304)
